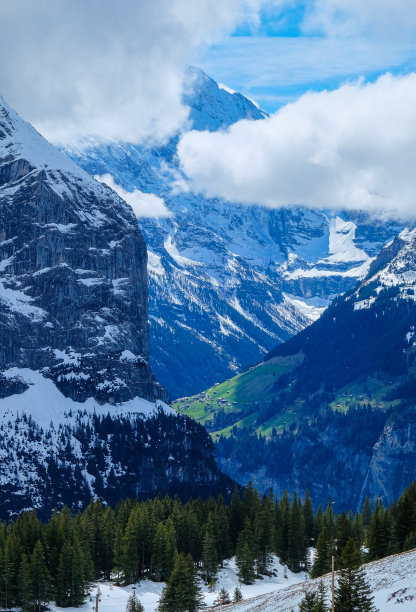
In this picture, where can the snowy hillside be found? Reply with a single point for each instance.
(393, 581)
(228, 282)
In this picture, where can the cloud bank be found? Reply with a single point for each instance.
(352, 148)
(107, 69)
(143, 204)
(379, 18)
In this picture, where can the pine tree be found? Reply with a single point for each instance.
(366, 514)
(308, 602)
(182, 591)
(282, 531)
(321, 605)
(322, 563)
(133, 604)
(308, 518)
(344, 533)
(245, 556)
(237, 596)
(209, 557)
(297, 549)
(352, 593)
(314, 601)
(118, 551)
(223, 598)
(71, 582)
(24, 586)
(163, 551)
(41, 578)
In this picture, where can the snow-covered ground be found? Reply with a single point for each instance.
(114, 598)
(393, 581)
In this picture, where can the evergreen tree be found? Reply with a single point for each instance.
(237, 596)
(314, 601)
(133, 604)
(366, 514)
(182, 591)
(163, 551)
(71, 582)
(282, 532)
(130, 554)
(41, 578)
(118, 551)
(223, 598)
(323, 561)
(209, 557)
(24, 586)
(321, 605)
(245, 556)
(344, 533)
(308, 519)
(308, 603)
(297, 549)
(352, 593)
(379, 540)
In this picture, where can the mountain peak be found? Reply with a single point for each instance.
(73, 286)
(215, 106)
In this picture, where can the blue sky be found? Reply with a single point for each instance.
(294, 47)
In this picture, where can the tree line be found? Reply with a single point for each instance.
(153, 539)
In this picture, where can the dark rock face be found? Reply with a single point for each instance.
(80, 411)
(73, 298)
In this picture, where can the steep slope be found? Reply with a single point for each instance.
(228, 282)
(76, 386)
(336, 402)
(391, 581)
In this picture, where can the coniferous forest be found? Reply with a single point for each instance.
(163, 539)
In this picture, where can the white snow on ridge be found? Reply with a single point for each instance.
(45, 403)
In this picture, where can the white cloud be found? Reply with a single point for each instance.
(380, 18)
(103, 68)
(351, 148)
(143, 204)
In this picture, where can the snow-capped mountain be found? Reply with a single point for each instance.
(81, 413)
(228, 282)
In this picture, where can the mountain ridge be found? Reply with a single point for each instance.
(228, 281)
(346, 382)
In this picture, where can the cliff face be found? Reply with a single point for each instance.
(73, 286)
(81, 414)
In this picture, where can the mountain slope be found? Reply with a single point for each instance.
(81, 413)
(391, 581)
(336, 402)
(228, 282)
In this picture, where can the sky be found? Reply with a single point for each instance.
(298, 46)
(336, 76)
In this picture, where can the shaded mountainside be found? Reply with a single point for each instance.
(81, 413)
(228, 282)
(333, 408)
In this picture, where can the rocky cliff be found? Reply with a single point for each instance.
(81, 414)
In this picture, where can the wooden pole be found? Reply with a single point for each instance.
(333, 581)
